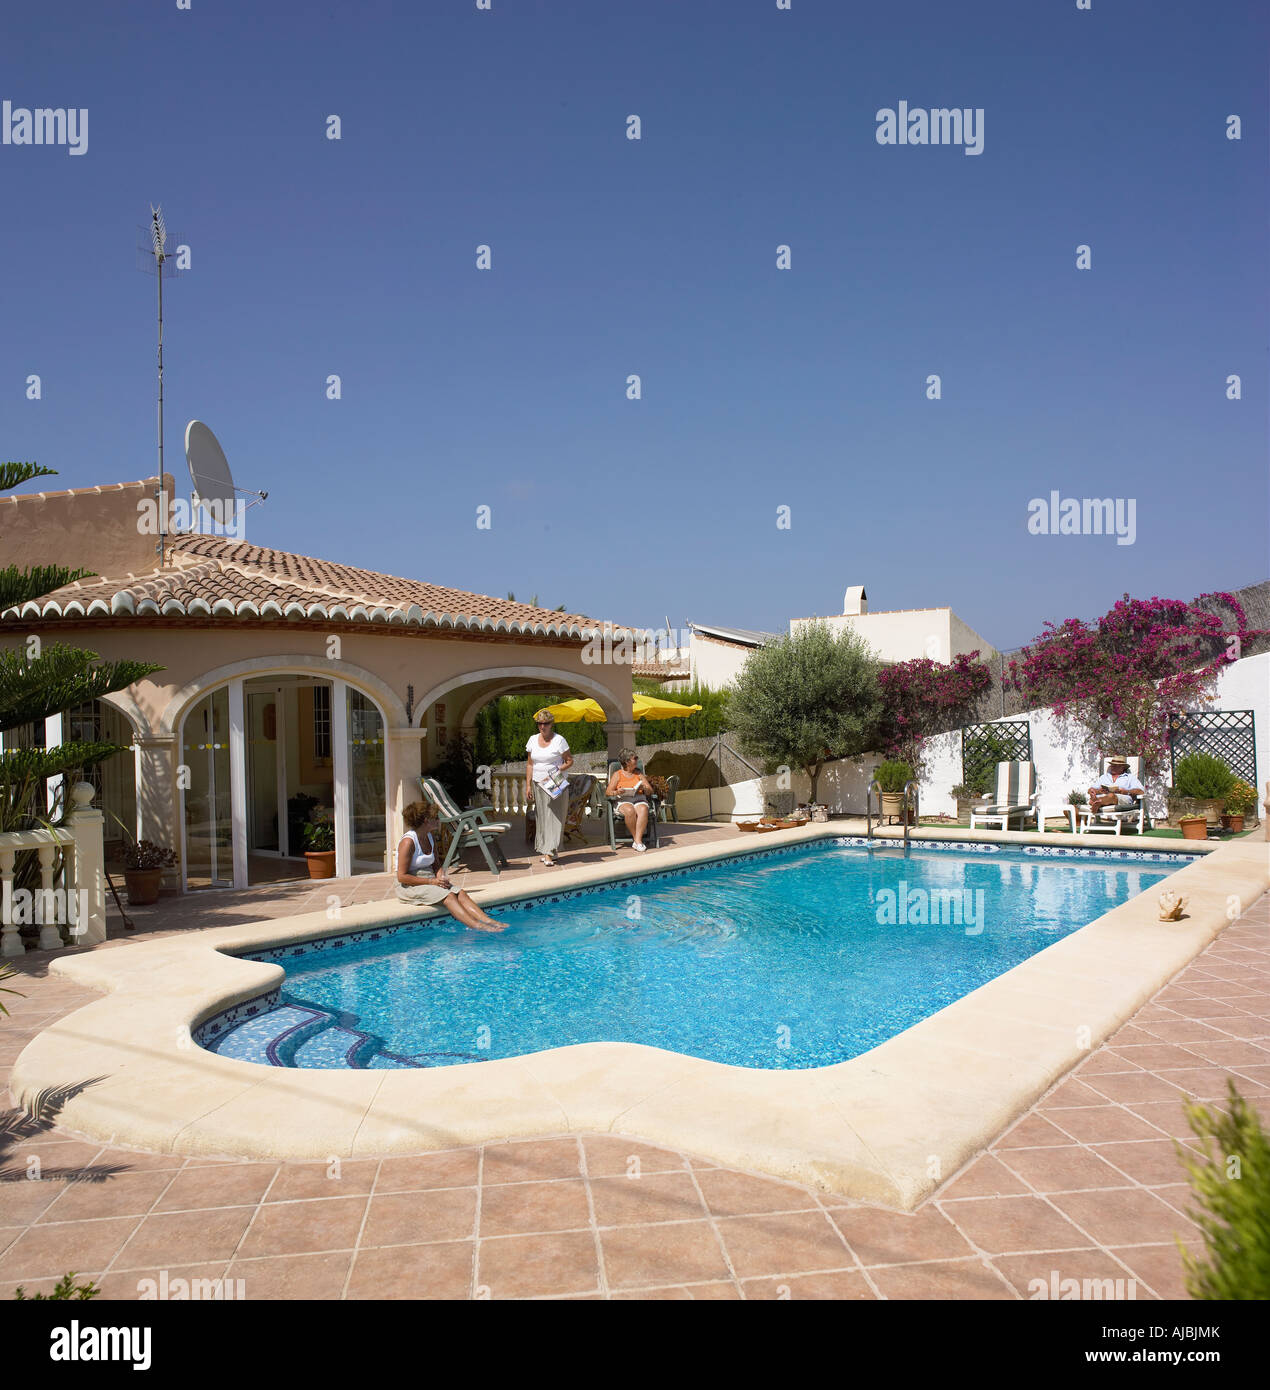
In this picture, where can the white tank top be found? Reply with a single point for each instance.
(422, 860)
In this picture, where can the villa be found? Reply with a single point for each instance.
(284, 677)
(812, 1103)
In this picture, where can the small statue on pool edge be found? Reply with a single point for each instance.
(1171, 906)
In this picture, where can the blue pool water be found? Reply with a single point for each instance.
(785, 960)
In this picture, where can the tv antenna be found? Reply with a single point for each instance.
(212, 482)
(154, 258)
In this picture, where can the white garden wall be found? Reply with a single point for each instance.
(1061, 763)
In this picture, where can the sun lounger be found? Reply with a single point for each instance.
(1016, 794)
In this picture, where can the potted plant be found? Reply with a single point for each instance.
(319, 848)
(891, 779)
(973, 790)
(1076, 799)
(143, 866)
(1205, 778)
(1241, 801)
(300, 808)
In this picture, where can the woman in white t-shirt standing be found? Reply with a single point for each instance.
(548, 754)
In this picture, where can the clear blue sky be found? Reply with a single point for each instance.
(761, 388)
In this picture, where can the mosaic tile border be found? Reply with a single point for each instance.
(275, 955)
(1142, 856)
(211, 1030)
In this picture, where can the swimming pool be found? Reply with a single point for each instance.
(788, 959)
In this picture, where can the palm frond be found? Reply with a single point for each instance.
(15, 474)
(22, 585)
(60, 678)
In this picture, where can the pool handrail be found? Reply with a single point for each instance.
(868, 807)
(908, 786)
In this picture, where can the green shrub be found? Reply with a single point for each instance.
(1202, 776)
(891, 777)
(66, 1287)
(979, 769)
(1231, 1182)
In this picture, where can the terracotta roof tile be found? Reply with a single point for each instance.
(212, 577)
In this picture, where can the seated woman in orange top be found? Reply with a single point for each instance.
(634, 793)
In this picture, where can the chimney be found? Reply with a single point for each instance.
(855, 602)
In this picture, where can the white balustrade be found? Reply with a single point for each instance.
(507, 795)
(79, 904)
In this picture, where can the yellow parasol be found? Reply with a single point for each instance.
(650, 707)
(577, 711)
(644, 707)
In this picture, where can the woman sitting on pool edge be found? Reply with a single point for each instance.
(417, 879)
(634, 792)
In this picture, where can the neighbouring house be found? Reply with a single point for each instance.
(718, 653)
(902, 634)
(289, 683)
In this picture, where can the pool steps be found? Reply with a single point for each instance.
(298, 1035)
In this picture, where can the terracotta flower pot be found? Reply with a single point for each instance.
(1193, 827)
(143, 886)
(1235, 823)
(321, 862)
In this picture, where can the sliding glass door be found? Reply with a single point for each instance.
(268, 757)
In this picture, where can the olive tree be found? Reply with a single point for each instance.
(807, 699)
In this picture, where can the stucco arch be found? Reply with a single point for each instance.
(389, 702)
(126, 704)
(503, 675)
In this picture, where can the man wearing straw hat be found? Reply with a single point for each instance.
(549, 760)
(1117, 789)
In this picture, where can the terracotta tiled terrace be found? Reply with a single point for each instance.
(1086, 1183)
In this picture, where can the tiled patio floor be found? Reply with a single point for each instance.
(226, 906)
(1086, 1184)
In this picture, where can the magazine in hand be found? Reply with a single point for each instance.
(554, 784)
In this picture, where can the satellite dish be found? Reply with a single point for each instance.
(209, 471)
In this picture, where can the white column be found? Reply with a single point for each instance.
(53, 739)
(86, 823)
(160, 809)
(343, 793)
(11, 943)
(285, 847)
(238, 779)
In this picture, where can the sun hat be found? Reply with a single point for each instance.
(1117, 758)
(544, 716)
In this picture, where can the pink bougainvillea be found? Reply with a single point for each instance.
(1125, 677)
(924, 697)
